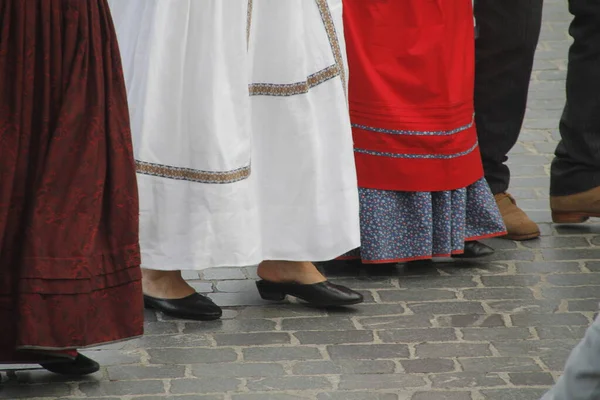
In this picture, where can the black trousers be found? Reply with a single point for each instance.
(508, 35)
(576, 167)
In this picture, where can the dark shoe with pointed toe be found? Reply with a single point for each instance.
(323, 294)
(475, 249)
(80, 366)
(195, 307)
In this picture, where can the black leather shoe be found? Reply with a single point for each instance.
(194, 306)
(323, 294)
(80, 366)
(475, 249)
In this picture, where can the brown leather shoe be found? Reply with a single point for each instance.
(518, 225)
(575, 208)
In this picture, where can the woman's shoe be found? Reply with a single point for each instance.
(475, 249)
(80, 366)
(194, 306)
(323, 294)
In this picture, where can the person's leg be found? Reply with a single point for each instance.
(575, 173)
(581, 378)
(508, 35)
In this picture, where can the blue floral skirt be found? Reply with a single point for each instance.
(408, 226)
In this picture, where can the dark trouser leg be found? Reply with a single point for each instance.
(576, 167)
(508, 34)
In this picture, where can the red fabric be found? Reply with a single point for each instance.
(412, 69)
(69, 256)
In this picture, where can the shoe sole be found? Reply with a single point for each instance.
(561, 217)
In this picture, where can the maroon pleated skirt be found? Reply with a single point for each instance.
(69, 253)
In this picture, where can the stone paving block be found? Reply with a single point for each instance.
(368, 352)
(511, 281)
(179, 397)
(442, 396)
(537, 320)
(561, 332)
(461, 380)
(499, 364)
(205, 385)
(114, 357)
(317, 324)
(133, 372)
(584, 305)
(289, 383)
(571, 292)
(122, 388)
(160, 328)
(177, 340)
(416, 295)
(428, 365)
(429, 282)
(534, 348)
(191, 356)
(268, 396)
(381, 381)
(571, 254)
(334, 337)
(237, 370)
(361, 396)
(547, 267)
(376, 309)
(236, 286)
(433, 350)
(222, 274)
(557, 242)
(396, 322)
(370, 283)
(496, 334)
(447, 307)
(512, 394)
(344, 367)
(281, 353)
(279, 311)
(417, 335)
(498, 293)
(252, 339)
(230, 326)
(11, 391)
(462, 321)
(531, 379)
(512, 255)
(524, 306)
(574, 279)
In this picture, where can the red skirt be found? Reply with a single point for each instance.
(69, 254)
(411, 93)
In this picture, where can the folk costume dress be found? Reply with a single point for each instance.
(422, 191)
(69, 253)
(241, 130)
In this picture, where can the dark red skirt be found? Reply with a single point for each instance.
(69, 253)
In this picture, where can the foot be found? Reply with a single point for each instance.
(305, 273)
(518, 225)
(575, 208)
(475, 249)
(80, 366)
(168, 292)
(166, 285)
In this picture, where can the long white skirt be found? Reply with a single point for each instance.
(241, 130)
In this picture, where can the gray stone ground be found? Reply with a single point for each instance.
(495, 330)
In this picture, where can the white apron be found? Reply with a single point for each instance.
(241, 130)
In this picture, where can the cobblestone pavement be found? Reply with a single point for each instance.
(495, 330)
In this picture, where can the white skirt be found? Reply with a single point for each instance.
(241, 130)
